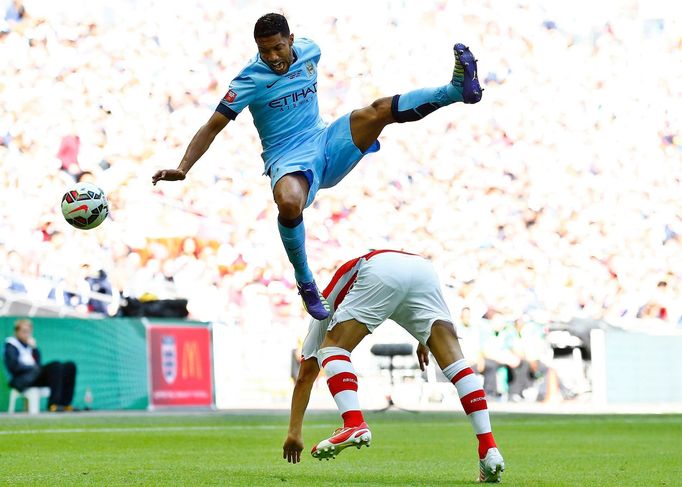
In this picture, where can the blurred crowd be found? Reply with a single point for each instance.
(556, 197)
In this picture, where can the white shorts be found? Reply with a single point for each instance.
(403, 288)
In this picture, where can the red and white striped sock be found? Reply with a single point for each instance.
(342, 382)
(473, 401)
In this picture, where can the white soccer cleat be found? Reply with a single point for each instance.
(341, 439)
(491, 467)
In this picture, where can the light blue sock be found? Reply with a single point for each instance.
(415, 105)
(293, 239)
(442, 96)
(454, 92)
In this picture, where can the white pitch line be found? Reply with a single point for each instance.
(160, 429)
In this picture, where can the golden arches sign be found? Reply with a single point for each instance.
(191, 361)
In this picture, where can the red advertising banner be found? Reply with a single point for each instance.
(180, 366)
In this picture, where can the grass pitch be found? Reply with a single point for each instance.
(407, 449)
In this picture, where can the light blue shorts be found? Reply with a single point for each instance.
(325, 159)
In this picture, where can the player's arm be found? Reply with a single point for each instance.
(200, 143)
(423, 356)
(307, 374)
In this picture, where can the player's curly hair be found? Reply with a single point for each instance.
(271, 24)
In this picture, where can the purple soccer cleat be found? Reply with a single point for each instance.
(313, 301)
(465, 74)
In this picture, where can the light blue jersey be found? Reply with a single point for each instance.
(284, 107)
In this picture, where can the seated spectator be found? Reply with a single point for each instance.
(99, 283)
(527, 341)
(22, 361)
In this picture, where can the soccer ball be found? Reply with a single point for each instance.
(84, 206)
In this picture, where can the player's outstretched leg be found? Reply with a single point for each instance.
(366, 124)
(343, 385)
(290, 193)
(464, 86)
(446, 349)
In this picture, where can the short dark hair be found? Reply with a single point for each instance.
(271, 24)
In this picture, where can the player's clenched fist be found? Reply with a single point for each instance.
(168, 175)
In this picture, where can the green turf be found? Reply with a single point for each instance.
(407, 449)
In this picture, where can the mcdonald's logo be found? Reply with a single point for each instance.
(191, 361)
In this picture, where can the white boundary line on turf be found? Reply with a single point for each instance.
(159, 429)
(162, 429)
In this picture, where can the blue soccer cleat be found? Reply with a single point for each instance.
(465, 74)
(313, 301)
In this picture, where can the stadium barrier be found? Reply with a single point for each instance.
(633, 367)
(15, 304)
(126, 363)
(140, 363)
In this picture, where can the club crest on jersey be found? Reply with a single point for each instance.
(310, 69)
(230, 96)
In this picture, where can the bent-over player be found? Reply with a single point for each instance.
(364, 293)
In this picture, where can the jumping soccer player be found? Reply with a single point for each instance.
(363, 293)
(301, 152)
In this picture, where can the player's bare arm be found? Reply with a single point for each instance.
(423, 356)
(293, 445)
(197, 147)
